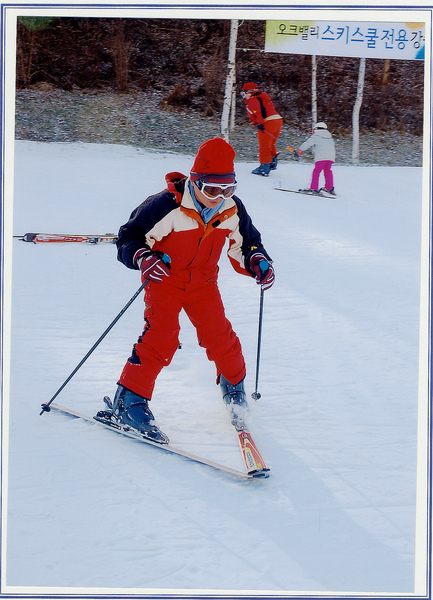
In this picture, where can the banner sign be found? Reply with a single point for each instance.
(339, 38)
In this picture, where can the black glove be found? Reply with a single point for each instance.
(153, 265)
(261, 127)
(264, 271)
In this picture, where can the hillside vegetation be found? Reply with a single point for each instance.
(155, 81)
(186, 60)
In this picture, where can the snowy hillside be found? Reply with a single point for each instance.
(90, 511)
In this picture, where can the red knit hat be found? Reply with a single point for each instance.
(214, 162)
(250, 87)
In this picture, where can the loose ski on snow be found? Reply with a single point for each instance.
(44, 238)
(140, 438)
(321, 194)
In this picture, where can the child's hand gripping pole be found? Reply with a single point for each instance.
(293, 152)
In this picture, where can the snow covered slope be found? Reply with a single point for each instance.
(337, 420)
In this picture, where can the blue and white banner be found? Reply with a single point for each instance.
(339, 38)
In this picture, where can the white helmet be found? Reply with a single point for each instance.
(320, 125)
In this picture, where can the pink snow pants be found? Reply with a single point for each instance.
(326, 167)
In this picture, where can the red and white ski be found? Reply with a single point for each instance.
(254, 462)
(56, 238)
(166, 447)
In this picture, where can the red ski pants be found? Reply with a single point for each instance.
(159, 341)
(268, 140)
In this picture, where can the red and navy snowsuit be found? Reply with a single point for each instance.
(170, 222)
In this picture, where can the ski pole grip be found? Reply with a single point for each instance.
(166, 259)
(264, 266)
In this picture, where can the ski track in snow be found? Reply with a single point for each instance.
(337, 420)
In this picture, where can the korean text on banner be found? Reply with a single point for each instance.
(337, 38)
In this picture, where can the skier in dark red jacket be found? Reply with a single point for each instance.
(175, 238)
(264, 116)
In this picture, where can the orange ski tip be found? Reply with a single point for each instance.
(252, 457)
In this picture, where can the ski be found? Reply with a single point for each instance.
(44, 238)
(254, 462)
(140, 438)
(321, 194)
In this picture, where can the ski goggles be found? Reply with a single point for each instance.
(244, 93)
(212, 191)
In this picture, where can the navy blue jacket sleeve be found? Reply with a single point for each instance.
(252, 241)
(132, 235)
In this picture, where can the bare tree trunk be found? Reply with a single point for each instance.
(233, 108)
(231, 77)
(356, 110)
(314, 88)
(25, 49)
(120, 50)
(385, 72)
(26, 44)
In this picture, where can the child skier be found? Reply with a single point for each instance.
(324, 157)
(264, 116)
(175, 238)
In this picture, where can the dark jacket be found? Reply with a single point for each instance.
(170, 222)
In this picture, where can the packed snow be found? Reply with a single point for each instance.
(92, 512)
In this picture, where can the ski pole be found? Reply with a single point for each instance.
(256, 395)
(289, 148)
(46, 406)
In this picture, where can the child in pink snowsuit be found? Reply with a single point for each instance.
(324, 157)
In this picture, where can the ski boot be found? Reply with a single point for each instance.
(326, 192)
(132, 412)
(235, 399)
(263, 170)
(274, 163)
